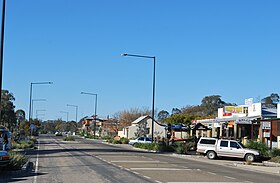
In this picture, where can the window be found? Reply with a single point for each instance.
(224, 143)
(208, 141)
(234, 145)
(141, 138)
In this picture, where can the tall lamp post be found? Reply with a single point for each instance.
(154, 85)
(76, 110)
(35, 100)
(67, 113)
(38, 110)
(30, 98)
(2, 49)
(95, 109)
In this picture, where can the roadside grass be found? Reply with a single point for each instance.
(17, 161)
(24, 144)
(69, 138)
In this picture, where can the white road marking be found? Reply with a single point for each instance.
(37, 163)
(212, 173)
(127, 161)
(167, 169)
(157, 181)
(147, 177)
(229, 177)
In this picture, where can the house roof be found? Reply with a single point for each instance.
(138, 120)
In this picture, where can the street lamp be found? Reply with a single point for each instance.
(76, 110)
(30, 98)
(94, 124)
(154, 85)
(33, 104)
(39, 111)
(67, 113)
(2, 48)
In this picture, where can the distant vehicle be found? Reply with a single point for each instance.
(213, 148)
(142, 140)
(2, 130)
(4, 158)
(58, 134)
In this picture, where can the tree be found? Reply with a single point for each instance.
(162, 115)
(176, 111)
(210, 105)
(20, 115)
(8, 116)
(179, 119)
(126, 117)
(270, 101)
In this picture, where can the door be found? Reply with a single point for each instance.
(223, 148)
(236, 150)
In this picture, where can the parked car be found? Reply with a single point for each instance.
(4, 158)
(3, 130)
(58, 133)
(142, 140)
(213, 148)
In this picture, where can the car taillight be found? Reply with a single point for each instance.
(5, 157)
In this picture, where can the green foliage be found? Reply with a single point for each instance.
(261, 147)
(69, 138)
(275, 152)
(162, 147)
(8, 115)
(183, 147)
(116, 142)
(275, 159)
(148, 146)
(124, 140)
(179, 119)
(23, 144)
(120, 141)
(17, 161)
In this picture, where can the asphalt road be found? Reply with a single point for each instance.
(93, 161)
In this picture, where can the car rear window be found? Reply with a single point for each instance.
(208, 141)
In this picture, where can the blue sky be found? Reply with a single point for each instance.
(229, 48)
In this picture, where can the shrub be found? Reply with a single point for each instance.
(275, 152)
(17, 161)
(261, 147)
(150, 146)
(183, 147)
(23, 144)
(69, 138)
(116, 142)
(162, 147)
(124, 140)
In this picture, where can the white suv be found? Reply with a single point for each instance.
(213, 148)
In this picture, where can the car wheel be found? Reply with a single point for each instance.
(211, 155)
(250, 157)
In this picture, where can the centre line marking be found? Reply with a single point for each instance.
(127, 161)
(167, 169)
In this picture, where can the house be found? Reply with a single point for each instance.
(143, 126)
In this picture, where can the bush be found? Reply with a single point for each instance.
(124, 140)
(261, 147)
(275, 152)
(162, 147)
(183, 147)
(69, 138)
(116, 142)
(23, 144)
(17, 161)
(149, 146)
